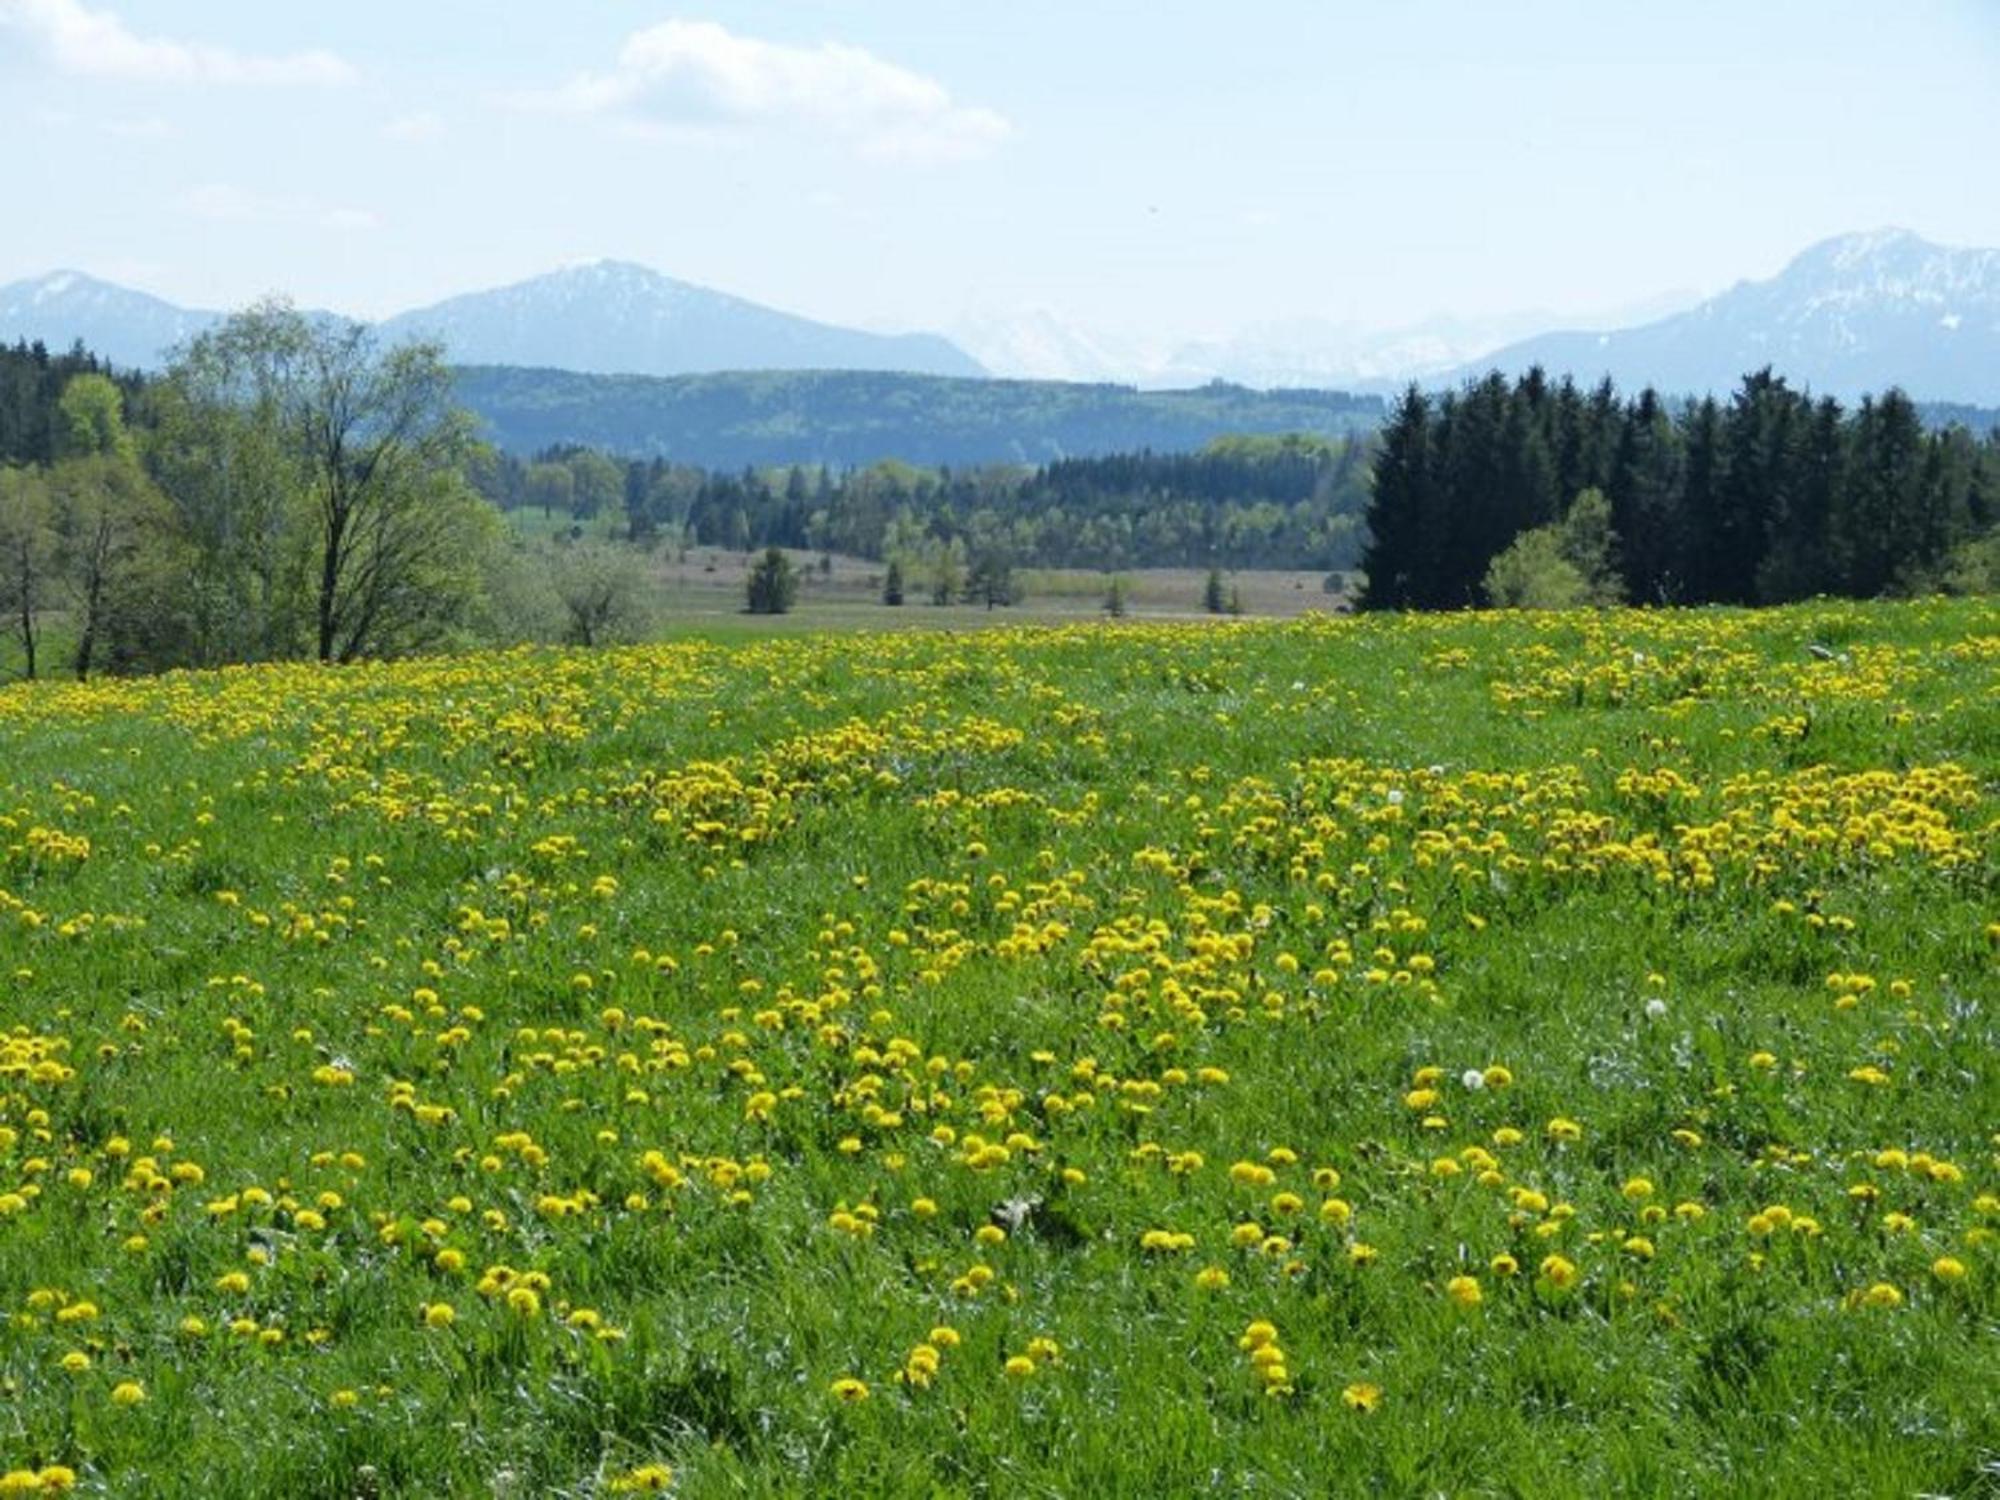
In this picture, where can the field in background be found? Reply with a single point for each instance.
(710, 583)
(1502, 1054)
(706, 585)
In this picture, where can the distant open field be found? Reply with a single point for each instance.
(704, 584)
(1543, 1055)
(710, 584)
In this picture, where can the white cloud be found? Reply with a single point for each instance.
(228, 204)
(697, 75)
(97, 43)
(417, 129)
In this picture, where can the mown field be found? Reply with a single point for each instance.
(1532, 1055)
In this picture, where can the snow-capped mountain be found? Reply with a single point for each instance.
(1295, 353)
(1849, 315)
(1317, 352)
(607, 317)
(128, 328)
(1037, 344)
(615, 318)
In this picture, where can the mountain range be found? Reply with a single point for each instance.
(604, 317)
(1853, 314)
(1850, 315)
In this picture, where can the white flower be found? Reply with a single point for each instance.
(1656, 1007)
(1396, 796)
(1473, 1079)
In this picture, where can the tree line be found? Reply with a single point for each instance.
(1243, 502)
(1538, 491)
(289, 490)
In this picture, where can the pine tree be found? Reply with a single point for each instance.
(1705, 467)
(1645, 493)
(1760, 434)
(1466, 529)
(773, 584)
(1212, 597)
(1397, 501)
(892, 583)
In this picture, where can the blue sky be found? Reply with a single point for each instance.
(1188, 168)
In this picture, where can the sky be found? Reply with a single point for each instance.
(1167, 168)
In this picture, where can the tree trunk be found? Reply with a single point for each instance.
(329, 583)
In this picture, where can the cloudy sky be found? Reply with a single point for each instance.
(1178, 166)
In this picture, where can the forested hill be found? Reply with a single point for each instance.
(850, 418)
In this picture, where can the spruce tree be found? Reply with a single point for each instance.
(1397, 501)
(773, 584)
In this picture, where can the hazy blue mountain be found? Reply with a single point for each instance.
(131, 329)
(614, 318)
(608, 318)
(857, 417)
(1850, 315)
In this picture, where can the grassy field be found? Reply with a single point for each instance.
(708, 585)
(1477, 1055)
(705, 586)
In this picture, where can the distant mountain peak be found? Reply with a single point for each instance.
(1863, 244)
(1851, 314)
(601, 268)
(617, 317)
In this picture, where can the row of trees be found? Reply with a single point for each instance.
(1239, 502)
(293, 490)
(1768, 497)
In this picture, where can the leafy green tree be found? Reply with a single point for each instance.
(1533, 573)
(773, 584)
(90, 420)
(27, 560)
(220, 451)
(1974, 566)
(603, 590)
(1566, 565)
(1116, 604)
(367, 452)
(947, 574)
(1591, 547)
(991, 581)
(552, 487)
(121, 561)
(597, 484)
